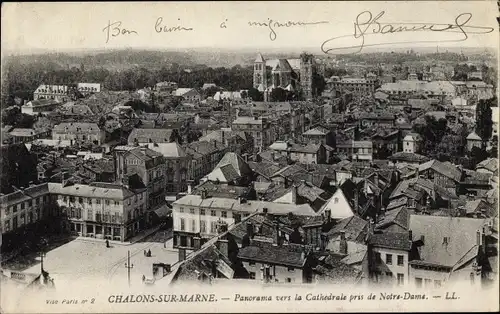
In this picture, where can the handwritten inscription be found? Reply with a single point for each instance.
(115, 29)
(273, 25)
(366, 24)
(160, 28)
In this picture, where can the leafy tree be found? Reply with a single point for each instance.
(175, 136)
(211, 91)
(279, 94)
(477, 155)
(255, 95)
(432, 131)
(484, 122)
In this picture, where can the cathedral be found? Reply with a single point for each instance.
(291, 74)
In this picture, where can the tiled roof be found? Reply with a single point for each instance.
(409, 157)
(460, 236)
(445, 169)
(95, 190)
(150, 136)
(399, 216)
(76, 127)
(247, 207)
(237, 162)
(335, 271)
(292, 255)
(391, 240)
(168, 149)
(355, 228)
(265, 169)
(490, 164)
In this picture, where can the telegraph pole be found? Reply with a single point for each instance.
(129, 267)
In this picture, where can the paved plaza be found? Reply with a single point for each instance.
(80, 259)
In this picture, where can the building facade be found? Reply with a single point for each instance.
(79, 132)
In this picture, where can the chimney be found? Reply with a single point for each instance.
(328, 214)
(196, 243)
(343, 243)
(182, 254)
(478, 237)
(294, 194)
(277, 235)
(483, 241)
(250, 230)
(203, 194)
(223, 247)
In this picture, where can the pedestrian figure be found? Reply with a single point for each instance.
(107, 243)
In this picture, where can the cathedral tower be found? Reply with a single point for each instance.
(306, 75)
(259, 73)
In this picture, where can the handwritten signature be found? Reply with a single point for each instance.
(366, 25)
(272, 25)
(159, 28)
(114, 29)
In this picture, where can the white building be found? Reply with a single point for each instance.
(411, 143)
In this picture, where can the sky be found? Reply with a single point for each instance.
(34, 26)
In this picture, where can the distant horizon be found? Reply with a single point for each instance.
(41, 51)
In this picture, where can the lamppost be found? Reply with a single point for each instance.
(128, 266)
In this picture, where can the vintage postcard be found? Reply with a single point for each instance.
(206, 157)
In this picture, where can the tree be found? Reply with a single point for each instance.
(255, 95)
(279, 94)
(175, 136)
(477, 155)
(211, 91)
(432, 132)
(484, 122)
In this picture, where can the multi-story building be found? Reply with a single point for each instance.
(177, 164)
(205, 156)
(451, 250)
(189, 94)
(148, 164)
(199, 215)
(60, 93)
(88, 88)
(79, 132)
(27, 135)
(39, 106)
(412, 143)
(301, 153)
(140, 136)
(357, 86)
(259, 128)
(26, 207)
(434, 89)
(102, 210)
(356, 150)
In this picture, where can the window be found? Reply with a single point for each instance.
(98, 201)
(213, 213)
(22, 205)
(291, 269)
(388, 274)
(213, 227)
(181, 209)
(7, 225)
(106, 202)
(401, 279)
(437, 283)
(80, 200)
(37, 201)
(388, 259)
(401, 260)
(223, 214)
(418, 282)
(252, 275)
(117, 203)
(251, 263)
(193, 225)
(89, 201)
(427, 282)
(472, 278)
(191, 211)
(336, 200)
(30, 203)
(182, 224)
(288, 280)
(90, 215)
(203, 226)
(202, 211)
